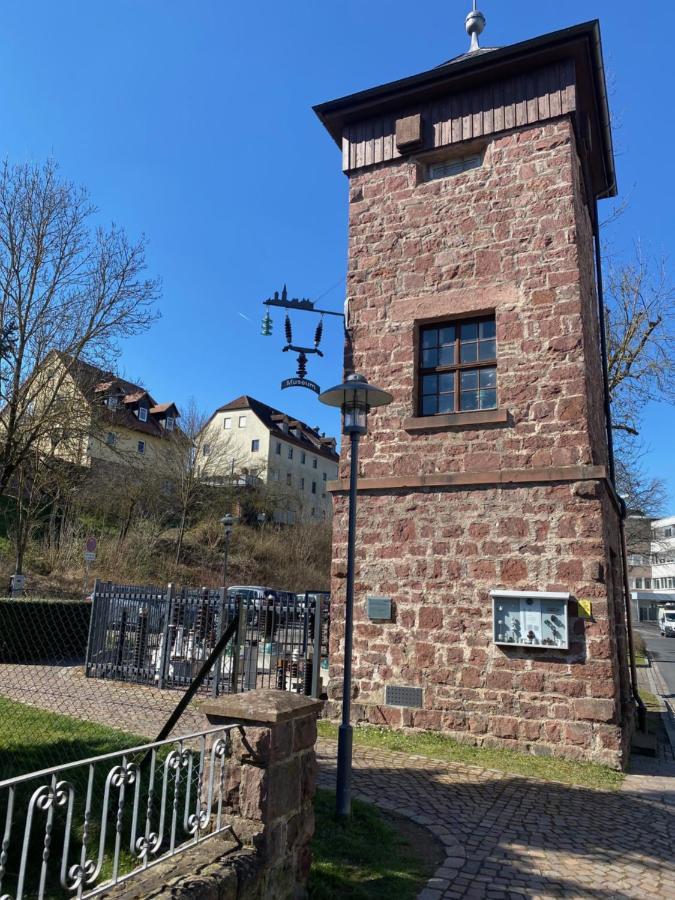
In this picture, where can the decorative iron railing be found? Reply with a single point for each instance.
(77, 829)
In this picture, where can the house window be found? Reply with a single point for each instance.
(242, 421)
(638, 583)
(255, 445)
(302, 484)
(290, 453)
(303, 457)
(453, 166)
(227, 423)
(648, 584)
(278, 451)
(275, 475)
(143, 413)
(170, 422)
(325, 476)
(668, 532)
(167, 487)
(314, 463)
(111, 439)
(206, 449)
(289, 479)
(314, 487)
(458, 367)
(141, 446)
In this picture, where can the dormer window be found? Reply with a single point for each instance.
(143, 413)
(111, 402)
(170, 422)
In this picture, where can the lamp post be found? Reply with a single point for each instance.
(355, 397)
(228, 523)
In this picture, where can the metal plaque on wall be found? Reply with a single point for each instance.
(379, 608)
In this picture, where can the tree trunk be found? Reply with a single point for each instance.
(181, 534)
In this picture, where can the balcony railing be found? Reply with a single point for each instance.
(76, 829)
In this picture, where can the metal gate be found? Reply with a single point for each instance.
(163, 636)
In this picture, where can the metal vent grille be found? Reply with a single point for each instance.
(394, 695)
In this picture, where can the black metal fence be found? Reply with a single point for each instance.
(162, 636)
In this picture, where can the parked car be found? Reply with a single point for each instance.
(667, 620)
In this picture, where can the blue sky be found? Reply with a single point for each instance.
(192, 123)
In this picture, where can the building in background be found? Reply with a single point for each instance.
(651, 567)
(294, 462)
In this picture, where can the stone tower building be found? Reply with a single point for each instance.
(486, 514)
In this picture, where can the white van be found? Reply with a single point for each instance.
(667, 620)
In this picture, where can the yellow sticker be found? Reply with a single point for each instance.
(585, 608)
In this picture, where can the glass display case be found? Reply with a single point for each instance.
(530, 619)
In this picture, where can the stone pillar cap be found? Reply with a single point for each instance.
(266, 706)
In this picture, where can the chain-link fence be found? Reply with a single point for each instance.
(82, 677)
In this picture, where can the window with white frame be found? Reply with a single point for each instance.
(242, 421)
(648, 584)
(143, 413)
(255, 445)
(170, 422)
(450, 167)
(227, 423)
(141, 446)
(638, 584)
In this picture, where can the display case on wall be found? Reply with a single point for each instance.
(530, 619)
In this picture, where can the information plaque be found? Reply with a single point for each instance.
(530, 619)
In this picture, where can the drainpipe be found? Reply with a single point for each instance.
(641, 709)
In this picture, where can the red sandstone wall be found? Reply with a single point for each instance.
(513, 236)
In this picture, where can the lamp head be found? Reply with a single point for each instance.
(355, 397)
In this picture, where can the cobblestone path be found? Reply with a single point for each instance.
(136, 708)
(506, 836)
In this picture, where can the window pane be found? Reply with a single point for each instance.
(469, 380)
(446, 356)
(429, 359)
(488, 378)
(429, 406)
(487, 328)
(446, 403)
(469, 352)
(429, 384)
(487, 350)
(430, 337)
(446, 382)
(488, 399)
(447, 335)
(469, 399)
(469, 331)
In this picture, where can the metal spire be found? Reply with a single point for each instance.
(475, 23)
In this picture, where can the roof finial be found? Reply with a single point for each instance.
(475, 23)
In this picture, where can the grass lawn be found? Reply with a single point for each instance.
(32, 739)
(367, 856)
(439, 746)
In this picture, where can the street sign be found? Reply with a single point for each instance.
(300, 382)
(89, 556)
(91, 544)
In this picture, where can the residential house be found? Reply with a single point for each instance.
(295, 461)
(651, 568)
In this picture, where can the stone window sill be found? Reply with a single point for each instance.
(457, 420)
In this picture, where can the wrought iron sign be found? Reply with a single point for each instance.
(304, 305)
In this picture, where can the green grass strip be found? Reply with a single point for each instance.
(442, 747)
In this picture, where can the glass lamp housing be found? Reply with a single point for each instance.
(355, 397)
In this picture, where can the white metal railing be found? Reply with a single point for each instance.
(76, 829)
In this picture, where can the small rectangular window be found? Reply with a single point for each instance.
(289, 479)
(170, 422)
(111, 439)
(143, 413)
(325, 476)
(458, 367)
(303, 457)
(275, 475)
(290, 453)
(302, 484)
(242, 421)
(206, 449)
(314, 463)
(453, 166)
(314, 487)
(227, 423)
(255, 445)
(648, 584)
(141, 447)
(638, 583)
(278, 450)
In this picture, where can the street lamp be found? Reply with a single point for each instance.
(355, 398)
(228, 524)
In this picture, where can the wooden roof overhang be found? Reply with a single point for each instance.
(579, 45)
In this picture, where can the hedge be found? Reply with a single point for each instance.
(41, 630)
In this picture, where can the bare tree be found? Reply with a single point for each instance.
(201, 469)
(65, 285)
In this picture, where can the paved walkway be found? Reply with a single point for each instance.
(506, 836)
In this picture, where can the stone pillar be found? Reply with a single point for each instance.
(271, 780)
